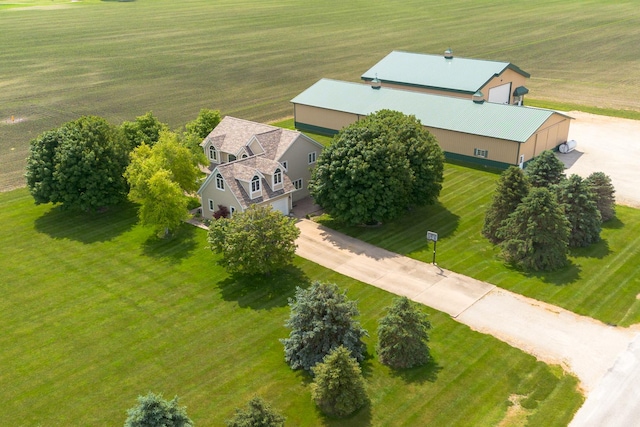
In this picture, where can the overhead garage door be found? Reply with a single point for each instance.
(281, 205)
(500, 94)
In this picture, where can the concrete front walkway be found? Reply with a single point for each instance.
(583, 346)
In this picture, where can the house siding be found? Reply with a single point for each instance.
(298, 169)
(219, 197)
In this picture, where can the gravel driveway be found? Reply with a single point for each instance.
(609, 145)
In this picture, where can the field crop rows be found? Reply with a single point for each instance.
(118, 60)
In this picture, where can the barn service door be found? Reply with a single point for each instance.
(500, 94)
(281, 205)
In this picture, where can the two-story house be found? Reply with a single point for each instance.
(253, 163)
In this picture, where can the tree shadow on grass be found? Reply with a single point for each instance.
(361, 418)
(261, 292)
(400, 236)
(419, 375)
(613, 224)
(597, 250)
(173, 248)
(561, 277)
(87, 227)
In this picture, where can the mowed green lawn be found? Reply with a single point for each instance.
(96, 311)
(602, 281)
(62, 59)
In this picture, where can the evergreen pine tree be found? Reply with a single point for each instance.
(402, 335)
(604, 192)
(154, 411)
(258, 414)
(536, 235)
(545, 170)
(512, 187)
(338, 387)
(581, 210)
(322, 319)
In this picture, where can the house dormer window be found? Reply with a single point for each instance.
(232, 158)
(213, 154)
(255, 186)
(219, 182)
(277, 177)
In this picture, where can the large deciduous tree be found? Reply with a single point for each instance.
(159, 178)
(604, 193)
(338, 387)
(79, 165)
(378, 167)
(545, 170)
(512, 187)
(578, 201)
(259, 240)
(206, 121)
(322, 319)
(145, 129)
(536, 234)
(258, 414)
(154, 411)
(403, 335)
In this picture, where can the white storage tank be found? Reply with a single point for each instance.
(568, 146)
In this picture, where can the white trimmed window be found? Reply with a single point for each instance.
(211, 205)
(213, 153)
(298, 184)
(233, 210)
(277, 177)
(285, 165)
(480, 153)
(255, 184)
(219, 182)
(312, 157)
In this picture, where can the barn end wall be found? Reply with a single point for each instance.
(553, 132)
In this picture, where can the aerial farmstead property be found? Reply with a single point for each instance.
(466, 125)
(253, 163)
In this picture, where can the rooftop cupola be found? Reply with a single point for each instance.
(375, 83)
(448, 54)
(478, 97)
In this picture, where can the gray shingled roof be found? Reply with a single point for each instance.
(437, 72)
(245, 169)
(509, 122)
(233, 134)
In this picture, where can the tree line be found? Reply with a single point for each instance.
(537, 214)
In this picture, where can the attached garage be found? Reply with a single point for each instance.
(492, 134)
(281, 205)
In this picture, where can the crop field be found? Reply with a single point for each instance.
(96, 311)
(602, 281)
(62, 59)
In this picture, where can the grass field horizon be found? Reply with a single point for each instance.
(61, 60)
(96, 311)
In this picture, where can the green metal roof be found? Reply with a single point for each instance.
(509, 122)
(437, 72)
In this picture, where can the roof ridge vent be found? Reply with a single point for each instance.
(375, 83)
(448, 54)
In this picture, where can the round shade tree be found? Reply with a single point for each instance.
(206, 121)
(79, 165)
(581, 210)
(322, 319)
(154, 411)
(145, 129)
(536, 234)
(258, 414)
(403, 335)
(259, 240)
(545, 170)
(338, 387)
(604, 193)
(512, 187)
(378, 167)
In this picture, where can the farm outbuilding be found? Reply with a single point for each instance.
(472, 130)
(500, 82)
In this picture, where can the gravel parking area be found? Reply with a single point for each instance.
(610, 145)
